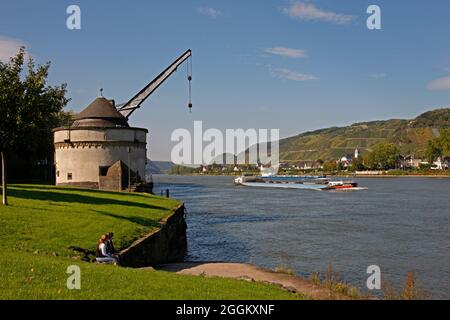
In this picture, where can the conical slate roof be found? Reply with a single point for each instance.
(102, 113)
(100, 108)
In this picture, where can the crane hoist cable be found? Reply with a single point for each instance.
(189, 77)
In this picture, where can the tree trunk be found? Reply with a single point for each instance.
(5, 198)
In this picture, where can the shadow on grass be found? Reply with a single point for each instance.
(82, 190)
(146, 222)
(54, 196)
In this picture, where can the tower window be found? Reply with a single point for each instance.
(69, 176)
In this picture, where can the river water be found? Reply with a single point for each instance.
(399, 224)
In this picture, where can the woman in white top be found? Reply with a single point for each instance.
(102, 254)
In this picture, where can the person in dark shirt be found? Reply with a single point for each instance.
(109, 244)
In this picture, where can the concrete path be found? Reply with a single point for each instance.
(252, 273)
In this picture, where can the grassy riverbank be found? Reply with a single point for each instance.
(42, 222)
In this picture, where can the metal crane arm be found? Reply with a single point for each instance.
(128, 108)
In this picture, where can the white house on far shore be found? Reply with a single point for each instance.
(347, 159)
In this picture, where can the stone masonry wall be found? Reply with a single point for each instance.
(166, 245)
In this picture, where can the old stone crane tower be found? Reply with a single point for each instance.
(100, 150)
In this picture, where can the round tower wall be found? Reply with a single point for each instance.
(80, 153)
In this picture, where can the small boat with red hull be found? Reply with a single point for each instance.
(343, 186)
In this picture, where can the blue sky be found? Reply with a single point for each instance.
(293, 65)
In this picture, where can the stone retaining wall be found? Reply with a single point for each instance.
(166, 245)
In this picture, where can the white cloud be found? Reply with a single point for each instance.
(378, 75)
(9, 48)
(210, 12)
(286, 52)
(309, 12)
(440, 84)
(284, 73)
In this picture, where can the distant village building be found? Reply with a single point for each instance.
(100, 150)
(347, 160)
(301, 165)
(446, 163)
(306, 166)
(437, 165)
(309, 165)
(409, 161)
(441, 163)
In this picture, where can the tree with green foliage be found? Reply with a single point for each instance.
(439, 147)
(180, 170)
(330, 166)
(29, 109)
(384, 156)
(357, 164)
(434, 150)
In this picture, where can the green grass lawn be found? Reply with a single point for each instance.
(42, 222)
(50, 220)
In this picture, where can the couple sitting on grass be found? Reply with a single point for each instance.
(105, 249)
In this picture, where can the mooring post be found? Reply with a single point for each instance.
(167, 193)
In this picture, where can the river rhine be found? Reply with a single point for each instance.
(399, 224)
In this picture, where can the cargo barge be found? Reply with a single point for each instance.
(320, 183)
